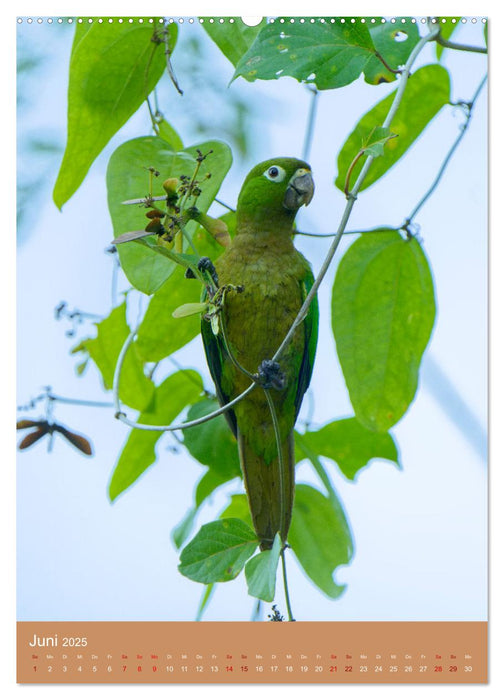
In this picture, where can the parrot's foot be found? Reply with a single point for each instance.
(206, 265)
(270, 375)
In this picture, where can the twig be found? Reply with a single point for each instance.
(169, 66)
(448, 157)
(403, 80)
(146, 92)
(278, 439)
(120, 415)
(63, 399)
(286, 588)
(230, 354)
(397, 71)
(459, 47)
(377, 229)
(311, 124)
(223, 204)
(352, 197)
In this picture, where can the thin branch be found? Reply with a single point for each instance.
(377, 229)
(397, 71)
(352, 197)
(281, 465)
(448, 157)
(223, 204)
(311, 124)
(286, 588)
(120, 415)
(403, 81)
(80, 402)
(146, 91)
(50, 397)
(352, 165)
(459, 47)
(230, 354)
(169, 66)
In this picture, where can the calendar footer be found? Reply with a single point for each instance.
(252, 652)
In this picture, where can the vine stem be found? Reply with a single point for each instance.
(120, 415)
(352, 197)
(311, 124)
(286, 587)
(448, 156)
(278, 438)
(459, 47)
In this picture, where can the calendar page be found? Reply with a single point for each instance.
(252, 350)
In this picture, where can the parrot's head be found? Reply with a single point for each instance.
(275, 189)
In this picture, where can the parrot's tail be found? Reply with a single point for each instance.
(270, 492)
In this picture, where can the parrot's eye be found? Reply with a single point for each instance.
(275, 173)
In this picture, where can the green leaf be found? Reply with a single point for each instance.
(319, 538)
(171, 397)
(135, 389)
(233, 39)
(113, 68)
(209, 482)
(238, 508)
(216, 447)
(190, 309)
(447, 30)
(160, 334)
(394, 42)
(127, 179)
(348, 443)
(212, 443)
(376, 140)
(383, 311)
(181, 532)
(261, 571)
(205, 600)
(328, 55)
(218, 552)
(428, 90)
(168, 134)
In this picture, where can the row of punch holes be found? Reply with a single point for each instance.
(253, 21)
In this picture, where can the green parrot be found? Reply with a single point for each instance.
(273, 280)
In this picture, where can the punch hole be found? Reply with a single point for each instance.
(251, 21)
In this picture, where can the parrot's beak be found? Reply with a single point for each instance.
(299, 190)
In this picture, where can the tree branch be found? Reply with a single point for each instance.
(459, 47)
(311, 124)
(120, 415)
(286, 588)
(352, 197)
(448, 157)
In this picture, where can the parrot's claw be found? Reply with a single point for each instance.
(206, 265)
(270, 375)
(189, 274)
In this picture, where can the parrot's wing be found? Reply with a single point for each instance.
(310, 325)
(215, 353)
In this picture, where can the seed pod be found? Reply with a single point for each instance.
(78, 441)
(155, 213)
(34, 437)
(154, 225)
(25, 423)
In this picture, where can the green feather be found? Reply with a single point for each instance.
(276, 279)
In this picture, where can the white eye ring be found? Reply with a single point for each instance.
(275, 173)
